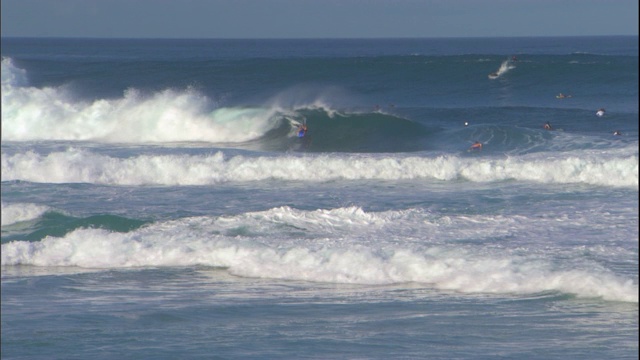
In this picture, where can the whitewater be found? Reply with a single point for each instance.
(81, 166)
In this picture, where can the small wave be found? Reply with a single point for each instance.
(46, 222)
(20, 212)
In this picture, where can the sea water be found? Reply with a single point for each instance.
(157, 202)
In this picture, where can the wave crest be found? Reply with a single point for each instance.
(15, 213)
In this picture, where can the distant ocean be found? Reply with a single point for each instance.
(157, 202)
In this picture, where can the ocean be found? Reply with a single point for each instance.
(157, 202)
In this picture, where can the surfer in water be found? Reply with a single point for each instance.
(476, 146)
(547, 126)
(600, 112)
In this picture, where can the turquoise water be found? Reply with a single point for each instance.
(157, 203)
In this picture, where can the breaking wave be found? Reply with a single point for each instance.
(613, 168)
(334, 246)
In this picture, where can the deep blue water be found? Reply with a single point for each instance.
(157, 203)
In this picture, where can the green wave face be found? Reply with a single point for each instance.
(57, 225)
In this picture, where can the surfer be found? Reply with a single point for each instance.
(547, 126)
(302, 130)
(617, 133)
(600, 112)
(476, 146)
(514, 58)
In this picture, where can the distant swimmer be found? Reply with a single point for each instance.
(547, 126)
(476, 146)
(600, 112)
(617, 133)
(302, 130)
(562, 96)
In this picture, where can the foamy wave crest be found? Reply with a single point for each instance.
(30, 113)
(12, 75)
(251, 245)
(80, 166)
(15, 213)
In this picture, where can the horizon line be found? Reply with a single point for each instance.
(308, 38)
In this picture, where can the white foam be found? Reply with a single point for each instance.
(305, 98)
(12, 75)
(19, 212)
(616, 168)
(339, 246)
(166, 116)
(51, 113)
